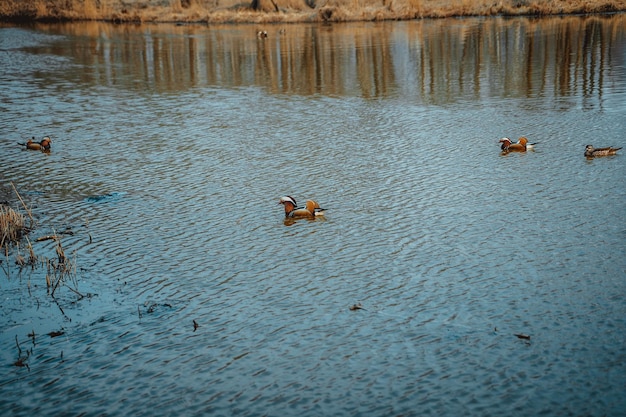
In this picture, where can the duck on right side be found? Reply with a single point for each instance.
(591, 152)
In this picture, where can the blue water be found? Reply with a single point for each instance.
(172, 146)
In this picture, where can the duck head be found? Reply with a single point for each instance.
(289, 203)
(46, 142)
(506, 142)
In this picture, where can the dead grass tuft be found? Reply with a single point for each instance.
(11, 226)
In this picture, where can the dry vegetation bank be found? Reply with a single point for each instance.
(17, 252)
(268, 11)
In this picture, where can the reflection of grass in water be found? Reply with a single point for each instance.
(62, 270)
(266, 11)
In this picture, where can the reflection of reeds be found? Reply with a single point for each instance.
(20, 260)
(32, 259)
(62, 270)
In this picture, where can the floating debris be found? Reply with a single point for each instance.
(356, 307)
(21, 362)
(522, 336)
(153, 306)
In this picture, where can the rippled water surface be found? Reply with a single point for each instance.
(171, 148)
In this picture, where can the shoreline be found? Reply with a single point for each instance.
(288, 11)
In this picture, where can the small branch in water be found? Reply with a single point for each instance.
(62, 312)
(48, 237)
(21, 360)
(17, 343)
(80, 296)
(32, 336)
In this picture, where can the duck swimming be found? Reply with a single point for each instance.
(309, 211)
(590, 151)
(44, 145)
(521, 145)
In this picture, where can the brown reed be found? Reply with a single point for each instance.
(11, 226)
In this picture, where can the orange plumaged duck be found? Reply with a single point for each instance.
(311, 209)
(521, 145)
(44, 145)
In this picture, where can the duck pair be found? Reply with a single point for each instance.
(311, 209)
(591, 152)
(44, 145)
(522, 145)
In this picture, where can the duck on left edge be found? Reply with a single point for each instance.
(44, 145)
(311, 210)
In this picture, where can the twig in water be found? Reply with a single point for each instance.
(47, 237)
(21, 360)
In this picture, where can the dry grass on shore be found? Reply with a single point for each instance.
(267, 11)
(13, 230)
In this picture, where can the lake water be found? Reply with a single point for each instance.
(172, 146)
